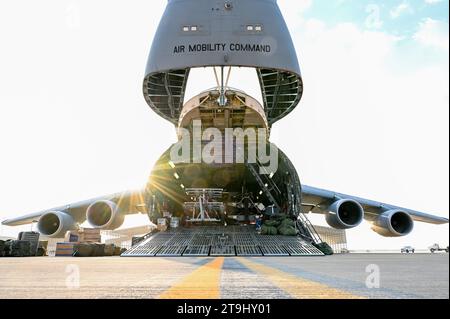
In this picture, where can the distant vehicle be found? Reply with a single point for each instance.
(408, 250)
(436, 248)
(345, 251)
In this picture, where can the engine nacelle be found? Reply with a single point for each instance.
(104, 214)
(55, 224)
(345, 214)
(393, 223)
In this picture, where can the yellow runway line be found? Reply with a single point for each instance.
(202, 283)
(298, 287)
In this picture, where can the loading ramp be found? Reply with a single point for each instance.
(203, 241)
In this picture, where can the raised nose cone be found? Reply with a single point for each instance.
(199, 33)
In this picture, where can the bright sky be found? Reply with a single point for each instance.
(373, 121)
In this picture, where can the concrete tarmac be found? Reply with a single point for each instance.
(340, 276)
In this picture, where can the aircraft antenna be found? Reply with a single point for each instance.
(222, 97)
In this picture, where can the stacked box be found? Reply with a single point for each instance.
(162, 224)
(98, 249)
(109, 250)
(33, 238)
(17, 248)
(65, 249)
(72, 236)
(6, 248)
(86, 250)
(42, 248)
(43, 244)
(90, 235)
(83, 250)
(2, 248)
(51, 245)
(40, 252)
(117, 251)
(162, 228)
(174, 222)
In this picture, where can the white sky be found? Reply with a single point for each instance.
(74, 123)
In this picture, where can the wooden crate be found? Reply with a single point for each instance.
(64, 249)
(90, 235)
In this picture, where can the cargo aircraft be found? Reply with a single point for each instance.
(220, 179)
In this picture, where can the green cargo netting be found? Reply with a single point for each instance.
(109, 249)
(18, 248)
(272, 223)
(325, 248)
(287, 230)
(2, 248)
(83, 250)
(268, 230)
(40, 252)
(280, 225)
(99, 250)
(95, 250)
(288, 223)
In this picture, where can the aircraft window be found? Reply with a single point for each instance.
(257, 28)
(191, 28)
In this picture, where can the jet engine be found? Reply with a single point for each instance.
(104, 214)
(56, 224)
(393, 223)
(344, 214)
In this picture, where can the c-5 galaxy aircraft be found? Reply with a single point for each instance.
(219, 181)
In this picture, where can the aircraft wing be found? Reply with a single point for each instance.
(129, 202)
(316, 200)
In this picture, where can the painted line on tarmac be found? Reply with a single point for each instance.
(352, 286)
(202, 283)
(298, 287)
(240, 282)
(195, 261)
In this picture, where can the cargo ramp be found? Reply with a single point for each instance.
(220, 241)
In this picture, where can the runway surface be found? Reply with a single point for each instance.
(339, 276)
